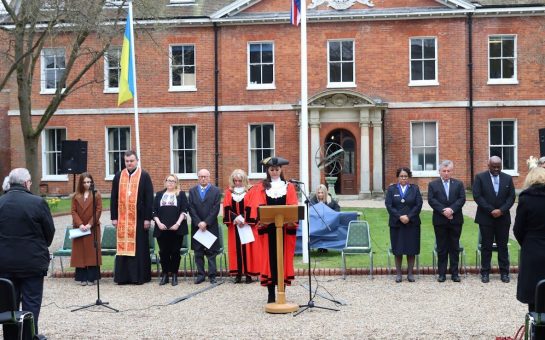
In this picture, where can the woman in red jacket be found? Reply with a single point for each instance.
(274, 190)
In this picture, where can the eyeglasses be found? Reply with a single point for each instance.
(171, 181)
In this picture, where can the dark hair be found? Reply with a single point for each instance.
(267, 181)
(130, 153)
(81, 189)
(406, 169)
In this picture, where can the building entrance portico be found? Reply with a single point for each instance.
(355, 122)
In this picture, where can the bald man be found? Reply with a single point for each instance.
(494, 193)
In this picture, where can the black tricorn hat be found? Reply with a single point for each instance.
(274, 161)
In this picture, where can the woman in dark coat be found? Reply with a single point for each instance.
(529, 231)
(170, 208)
(404, 202)
(322, 195)
(83, 249)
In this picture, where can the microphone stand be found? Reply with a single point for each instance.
(310, 303)
(98, 302)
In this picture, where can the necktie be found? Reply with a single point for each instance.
(445, 184)
(496, 182)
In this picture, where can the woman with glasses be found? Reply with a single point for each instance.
(404, 202)
(170, 208)
(83, 250)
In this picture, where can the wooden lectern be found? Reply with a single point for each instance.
(279, 215)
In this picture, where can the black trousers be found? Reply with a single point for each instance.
(489, 233)
(199, 262)
(447, 237)
(29, 293)
(169, 251)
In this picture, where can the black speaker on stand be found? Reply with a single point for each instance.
(541, 142)
(73, 158)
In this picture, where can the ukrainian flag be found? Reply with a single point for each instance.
(127, 76)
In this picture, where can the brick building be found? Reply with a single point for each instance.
(394, 82)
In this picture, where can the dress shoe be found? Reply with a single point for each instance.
(213, 280)
(199, 280)
(456, 278)
(40, 337)
(441, 278)
(174, 279)
(398, 278)
(83, 283)
(249, 279)
(238, 279)
(485, 278)
(410, 278)
(505, 278)
(271, 299)
(164, 279)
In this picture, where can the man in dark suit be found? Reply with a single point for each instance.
(494, 192)
(446, 196)
(204, 207)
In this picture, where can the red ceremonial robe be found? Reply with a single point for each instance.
(258, 198)
(243, 258)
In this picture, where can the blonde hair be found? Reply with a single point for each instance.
(323, 188)
(535, 176)
(177, 181)
(239, 174)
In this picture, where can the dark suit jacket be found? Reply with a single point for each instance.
(438, 201)
(484, 195)
(411, 207)
(207, 211)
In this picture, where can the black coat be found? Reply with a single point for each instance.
(26, 230)
(485, 196)
(333, 204)
(438, 201)
(206, 210)
(144, 202)
(168, 217)
(411, 207)
(529, 231)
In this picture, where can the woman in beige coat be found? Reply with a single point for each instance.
(83, 249)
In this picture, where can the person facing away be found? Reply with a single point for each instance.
(529, 230)
(131, 213)
(244, 259)
(446, 196)
(170, 211)
(84, 257)
(494, 193)
(404, 203)
(322, 195)
(26, 232)
(204, 207)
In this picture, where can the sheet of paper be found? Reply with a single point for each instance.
(245, 234)
(75, 233)
(205, 238)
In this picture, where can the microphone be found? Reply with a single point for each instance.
(294, 181)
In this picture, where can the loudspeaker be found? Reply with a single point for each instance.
(542, 142)
(73, 156)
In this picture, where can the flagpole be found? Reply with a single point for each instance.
(135, 94)
(303, 157)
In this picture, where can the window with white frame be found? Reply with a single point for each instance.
(112, 69)
(502, 59)
(52, 69)
(182, 68)
(340, 57)
(261, 146)
(118, 141)
(502, 139)
(424, 149)
(51, 153)
(423, 60)
(184, 149)
(260, 65)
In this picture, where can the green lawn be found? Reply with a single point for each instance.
(60, 206)
(380, 237)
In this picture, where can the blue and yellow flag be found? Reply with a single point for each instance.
(127, 76)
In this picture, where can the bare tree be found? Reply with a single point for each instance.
(27, 25)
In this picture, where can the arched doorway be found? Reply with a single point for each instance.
(347, 180)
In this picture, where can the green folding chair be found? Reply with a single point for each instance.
(64, 251)
(358, 242)
(108, 244)
(462, 261)
(186, 255)
(154, 256)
